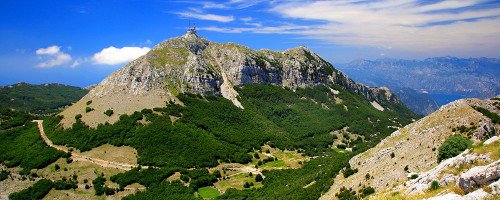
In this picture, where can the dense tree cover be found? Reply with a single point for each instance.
(201, 178)
(289, 184)
(453, 146)
(37, 191)
(164, 190)
(100, 188)
(211, 128)
(23, 146)
(309, 113)
(145, 177)
(39, 99)
(11, 118)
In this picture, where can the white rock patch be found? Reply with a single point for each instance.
(377, 106)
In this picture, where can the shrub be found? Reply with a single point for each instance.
(56, 167)
(88, 109)
(89, 102)
(258, 178)
(414, 176)
(4, 175)
(341, 146)
(434, 185)
(366, 191)
(246, 185)
(79, 116)
(393, 155)
(108, 112)
(453, 146)
(217, 174)
(348, 171)
(346, 194)
(256, 156)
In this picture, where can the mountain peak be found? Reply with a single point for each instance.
(190, 63)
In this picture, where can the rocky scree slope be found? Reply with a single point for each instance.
(193, 64)
(413, 149)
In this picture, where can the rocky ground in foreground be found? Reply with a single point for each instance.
(413, 150)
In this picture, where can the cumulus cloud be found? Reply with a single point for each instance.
(210, 17)
(52, 56)
(115, 56)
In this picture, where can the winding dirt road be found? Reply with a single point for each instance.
(79, 157)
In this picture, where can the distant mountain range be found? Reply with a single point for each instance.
(443, 78)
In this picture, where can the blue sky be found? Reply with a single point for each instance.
(81, 42)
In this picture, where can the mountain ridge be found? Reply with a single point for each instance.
(192, 64)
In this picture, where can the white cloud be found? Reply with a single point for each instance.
(52, 50)
(115, 56)
(52, 56)
(210, 17)
(444, 26)
(246, 19)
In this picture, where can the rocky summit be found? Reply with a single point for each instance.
(190, 63)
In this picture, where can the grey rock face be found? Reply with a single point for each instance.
(477, 176)
(192, 64)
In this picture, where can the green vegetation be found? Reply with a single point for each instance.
(146, 177)
(346, 194)
(37, 191)
(365, 191)
(211, 129)
(108, 112)
(348, 171)
(164, 190)
(289, 183)
(414, 176)
(453, 146)
(349, 194)
(39, 99)
(100, 188)
(23, 146)
(89, 102)
(208, 193)
(434, 185)
(65, 184)
(494, 117)
(4, 175)
(10, 118)
(201, 178)
(258, 178)
(88, 109)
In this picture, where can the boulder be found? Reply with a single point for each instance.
(448, 179)
(447, 197)
(477, 195)
(478, 176)
(491, 140)
(495, 187)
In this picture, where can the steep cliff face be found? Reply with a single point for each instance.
(193, 64)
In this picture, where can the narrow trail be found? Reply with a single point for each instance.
(79, 157)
